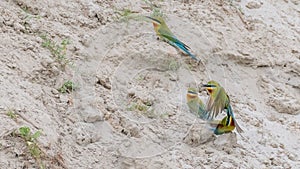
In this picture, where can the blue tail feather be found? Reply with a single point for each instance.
(229, 113)
(183, 47)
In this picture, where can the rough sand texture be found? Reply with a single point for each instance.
(250, 47)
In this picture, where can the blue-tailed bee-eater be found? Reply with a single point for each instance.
(163, 31)
(218, 101)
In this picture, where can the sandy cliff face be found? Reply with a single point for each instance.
(129, 109)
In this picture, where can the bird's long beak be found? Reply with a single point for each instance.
(153, 19)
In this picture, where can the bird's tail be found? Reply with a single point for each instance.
(237, 126)
(185, 48)
(182, 47)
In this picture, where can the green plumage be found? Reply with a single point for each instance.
(219, 101)
(225, 127)
(163, 31)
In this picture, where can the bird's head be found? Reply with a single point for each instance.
(157, 20)
(211, 86)
(192, 92)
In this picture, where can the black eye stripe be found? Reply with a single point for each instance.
(154, 19)
(209, 85)
(192, 92)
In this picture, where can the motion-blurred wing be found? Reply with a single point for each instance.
(216, 104)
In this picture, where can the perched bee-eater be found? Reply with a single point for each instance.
(163, 31)
(194, 103)
(218, 101)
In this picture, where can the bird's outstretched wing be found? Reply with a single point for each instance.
(197, 107)
(216, 104)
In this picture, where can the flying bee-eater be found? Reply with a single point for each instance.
(218, 101)
(194, 103)
(163, 31)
